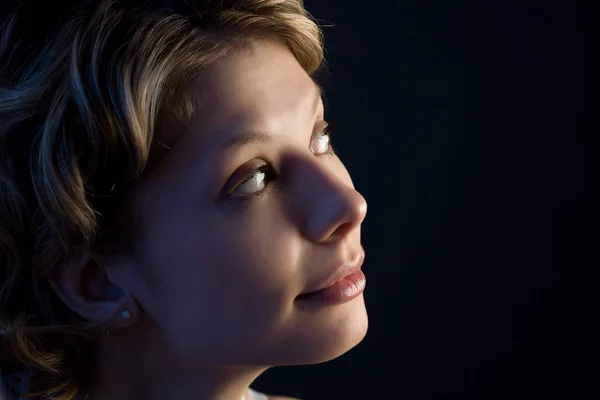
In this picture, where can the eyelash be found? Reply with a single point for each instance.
(270, 173)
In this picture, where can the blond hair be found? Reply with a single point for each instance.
(79, 105)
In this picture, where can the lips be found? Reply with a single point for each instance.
(342, 271)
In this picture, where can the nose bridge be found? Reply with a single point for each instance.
(330, 203)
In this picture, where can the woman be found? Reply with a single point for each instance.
(174, 221)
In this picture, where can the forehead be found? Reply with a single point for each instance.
(257, 85)
(262, 87)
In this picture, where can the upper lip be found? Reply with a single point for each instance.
(341, 271)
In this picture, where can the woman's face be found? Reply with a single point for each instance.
(231, 263)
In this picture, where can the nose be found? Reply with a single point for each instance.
(332, 206)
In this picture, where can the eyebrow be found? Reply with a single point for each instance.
(261, 137)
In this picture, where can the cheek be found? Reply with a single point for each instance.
(223, 269)
(252, 257)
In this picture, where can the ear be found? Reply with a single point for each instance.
(97, 289)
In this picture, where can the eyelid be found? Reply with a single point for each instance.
(320, 128)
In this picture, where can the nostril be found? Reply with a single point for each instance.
(344, 229)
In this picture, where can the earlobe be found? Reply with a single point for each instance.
(85, 287)
(127, 316)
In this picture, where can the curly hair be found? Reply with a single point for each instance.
(83, 87)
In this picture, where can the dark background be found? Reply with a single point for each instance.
(462, 125)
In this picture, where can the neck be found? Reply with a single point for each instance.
(132, 369)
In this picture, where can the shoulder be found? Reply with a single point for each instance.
(282, 398)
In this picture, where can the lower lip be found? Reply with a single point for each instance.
(343, 291)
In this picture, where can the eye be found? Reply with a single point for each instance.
(323, 140)
(261, 180)
(256, 181)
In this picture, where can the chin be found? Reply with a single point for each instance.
(327, 333)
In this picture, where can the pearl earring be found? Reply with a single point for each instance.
(125, 314)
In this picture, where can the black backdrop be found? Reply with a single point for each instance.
(462, 125)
